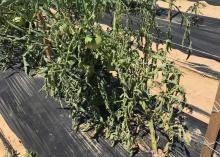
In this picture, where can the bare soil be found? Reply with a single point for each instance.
(200, 75)
(209, 10)
(200, 81)
(11, 138)
(3, 150)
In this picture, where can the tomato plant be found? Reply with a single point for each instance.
(64, 42)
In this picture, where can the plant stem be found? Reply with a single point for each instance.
(152, 136)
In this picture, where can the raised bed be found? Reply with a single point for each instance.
(45, 128)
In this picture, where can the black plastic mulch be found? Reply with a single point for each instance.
(45, 129)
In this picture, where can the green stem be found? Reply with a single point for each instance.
(152, 136)
(114, 23)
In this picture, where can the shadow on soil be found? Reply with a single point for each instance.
(205, 69)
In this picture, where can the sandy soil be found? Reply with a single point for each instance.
(12, 139)
(200, 89)
(3, 150)
(202, 65)
(200, 92)
(200, 85)
(209, 10)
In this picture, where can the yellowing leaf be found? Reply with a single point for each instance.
(187, 137)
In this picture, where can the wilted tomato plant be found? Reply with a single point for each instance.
(108, 87)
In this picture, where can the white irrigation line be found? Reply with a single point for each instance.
(136, 20)
(175, 22)
(205, 142)
(193, 133)
(217, 152)
(182, 155)
(168, 20)
(199, 51)
(190, 66)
